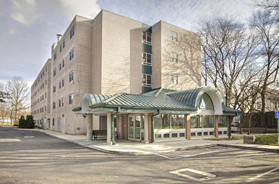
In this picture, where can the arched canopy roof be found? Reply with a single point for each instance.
(193, 97)
(159, 101)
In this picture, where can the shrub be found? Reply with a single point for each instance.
(28, 123)
(22, 122)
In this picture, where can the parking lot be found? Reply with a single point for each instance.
(33, 157)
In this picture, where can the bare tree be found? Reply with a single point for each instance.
(268, 4)
(228, 50)
(19, 94)
(266, 25)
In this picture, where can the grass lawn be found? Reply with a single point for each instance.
(267, 140)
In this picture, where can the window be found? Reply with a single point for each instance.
(173, 36)
(146, 37)
(71, 99)
(72, 54)
(54, 56)
(54, 105)
(174, 57)
(63, 44)
(71, 76)
(60, 48)
(62, 82)
(63, 63)
(72, 32)
(54, 89)
(59, 103)
(62, 102)
(59, 84)
(54, 72)
(174, 79)
(60, 66)
(146, 58)
(146, 80)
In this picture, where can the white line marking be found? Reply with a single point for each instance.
(173, 156)
(10, 140)
(206, 175)
(260, 175)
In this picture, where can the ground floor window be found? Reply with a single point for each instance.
(202, 121)
(169, 121)
(222, 121)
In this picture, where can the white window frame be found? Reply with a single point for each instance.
(145, 79)
(173, 36)
(174, 78)
(72, 32)
(71, 98)
(71, 54)
(145, 58)
(71, 76)
(146, 34)
(174, 57)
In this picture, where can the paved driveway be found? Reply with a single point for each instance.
(33, 157)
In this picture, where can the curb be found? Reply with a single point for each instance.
(250, 148)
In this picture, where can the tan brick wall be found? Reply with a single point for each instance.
(188, 67)
(40, 94)
(116, 52)
(156, 55)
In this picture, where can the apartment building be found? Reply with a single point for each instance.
(40, 97)
(107, 55)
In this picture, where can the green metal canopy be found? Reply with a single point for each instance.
(159, 100)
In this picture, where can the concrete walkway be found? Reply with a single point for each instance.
(137, 148)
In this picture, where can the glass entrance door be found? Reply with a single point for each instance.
(136, 127)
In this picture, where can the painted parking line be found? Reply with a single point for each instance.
(10, 140)
(193, 174)
(178, 156)
(265, 173)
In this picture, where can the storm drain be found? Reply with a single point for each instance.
(193, 174)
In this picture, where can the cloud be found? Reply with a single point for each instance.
(21, 19)
(24, 12)
(86, 8)
(12, 31)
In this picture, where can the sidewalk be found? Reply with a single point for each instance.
(137, 148)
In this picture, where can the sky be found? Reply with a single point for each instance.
(29, 27)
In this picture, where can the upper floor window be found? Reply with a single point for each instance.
(71, 99)
(60, 48)
(54, 89)
(146, 58)
(72, 32)
(146, 37)
(63, 44)
(174, 57)
(54, 72)
(59, 102)
(54, 105)
(54, 56)
(174, 79)
(72, 53)
(62, 82)
(63, 63)
(71, 76)
(173, 36)
(60, 66)
(146, 80)
(62, 102)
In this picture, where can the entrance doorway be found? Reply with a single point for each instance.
(136, 127)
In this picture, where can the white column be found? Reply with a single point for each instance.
(146, 128)
(109, 128)
(89, 127)
(120, 127)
